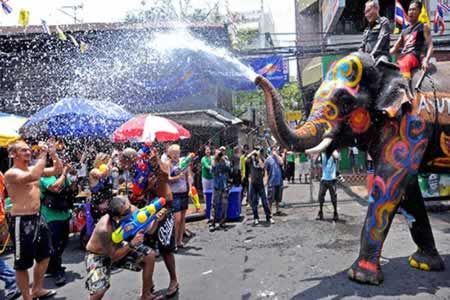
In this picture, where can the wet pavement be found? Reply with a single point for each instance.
(295, 258)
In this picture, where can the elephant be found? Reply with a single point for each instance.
(365, 103)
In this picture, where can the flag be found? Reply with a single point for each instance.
(423, 17)
(439, 25)
(7, 9)
(73, 40)
(401, 18)
(45, 27)
(61, 34)
(24, 17)
(83, 47)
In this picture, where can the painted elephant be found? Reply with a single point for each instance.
(364, 104)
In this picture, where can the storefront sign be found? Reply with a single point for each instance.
(435, 185)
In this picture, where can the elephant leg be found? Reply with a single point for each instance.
(366, 268)
(426, 257)
(401, 149)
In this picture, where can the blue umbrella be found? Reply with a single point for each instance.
(77, 117)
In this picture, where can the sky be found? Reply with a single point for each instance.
(97, 10)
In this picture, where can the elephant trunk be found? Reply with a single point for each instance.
(299, 140)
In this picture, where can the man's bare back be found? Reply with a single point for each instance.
(100, 241)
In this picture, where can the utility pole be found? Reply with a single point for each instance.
(298, 54)
(74, 11)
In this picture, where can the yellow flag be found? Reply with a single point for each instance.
(83, 47)
(423, 17)
(61, 34)
(24, 17)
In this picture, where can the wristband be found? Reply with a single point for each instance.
(124, 244)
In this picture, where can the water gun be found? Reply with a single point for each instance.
(194, 195)
(138, 221)
(103, 168)
(183, 164)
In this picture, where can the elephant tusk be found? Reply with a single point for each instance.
(321, 147)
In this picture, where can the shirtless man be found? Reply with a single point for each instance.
(29, 232)
(102, 252)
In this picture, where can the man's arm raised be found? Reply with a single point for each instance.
(17, 176)
(57, 163)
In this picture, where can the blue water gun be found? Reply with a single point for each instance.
(137, 221)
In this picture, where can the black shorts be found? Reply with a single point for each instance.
(31, 240)
(275, 194)
(180, 202)
(164, 236)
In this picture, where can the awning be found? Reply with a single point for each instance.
(209, 118)
(9, 127)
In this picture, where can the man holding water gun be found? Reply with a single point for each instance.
(102, 252)
(150, 179)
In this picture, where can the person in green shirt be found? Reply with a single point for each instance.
(290, 172)
(304, 167)
(207, 177)
(56, 197)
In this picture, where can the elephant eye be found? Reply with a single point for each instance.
(346, 107)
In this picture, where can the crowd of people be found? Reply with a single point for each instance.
(45, 180)
(118, 182)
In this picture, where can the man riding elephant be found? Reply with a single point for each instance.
(412, 42)
(365, 105)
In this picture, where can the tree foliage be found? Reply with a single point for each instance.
(171, 10)
(244, 38)
(290, 94)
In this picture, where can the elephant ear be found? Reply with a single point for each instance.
(393, 95)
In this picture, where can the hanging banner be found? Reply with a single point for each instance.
(273, 68)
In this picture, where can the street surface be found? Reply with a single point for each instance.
(296, 258)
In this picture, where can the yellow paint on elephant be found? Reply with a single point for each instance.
(424, 267)
(330, 111)
(349, 70)
(444, 161)
(382, 212)
(413, 263)
(308, 129)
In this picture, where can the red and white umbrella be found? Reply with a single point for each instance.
(148, 127)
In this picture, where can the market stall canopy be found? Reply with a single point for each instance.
(207, 118)
(77, 117)
(9, 128)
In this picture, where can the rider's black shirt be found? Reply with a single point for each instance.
(378, 31)
(413, 40)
